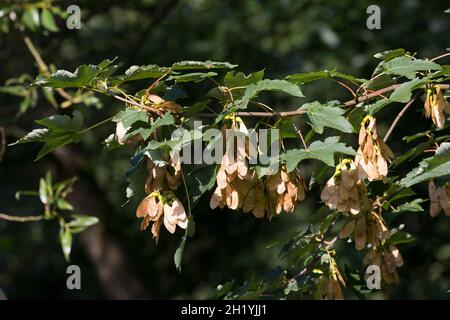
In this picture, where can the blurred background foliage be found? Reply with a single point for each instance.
(281, 37)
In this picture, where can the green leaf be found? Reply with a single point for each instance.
(30, 19)
(412, 153)
(430, 168)
(390, 54)
(82, 76)
(50, 96)
(166, 120)
(140, 72)
(61, 130)
(63, 188)
(303, 78)
(406, 66)
(196, 107)
(43, 191)
(189, 65)
(63, 204)
(355, 118)
(413, 206)
(287, 128)
(399, 237)
(130, 116)
(404, 92)
(377, 106)
(177, 257)
(320, 150)
(200, 180)
(192, 77)
(238, 79)
(326, 115)
(136, 182)
(81, 222)
(48, 22)
(268, 85)
(18, 91)
(190, 231)
(65, 237)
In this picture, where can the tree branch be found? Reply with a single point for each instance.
(8, 217)
(399, 116)
(293, 113)
(43, 68)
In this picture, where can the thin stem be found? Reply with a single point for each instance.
(345, 86)
(262, 105)
(37, 57)
(399, 116)
(441, 56)
(97, 124)
(299, 131)
(136, 104)
(285, 114)
(157, 80)
(43, 68)
(8, 217)
(187, 192)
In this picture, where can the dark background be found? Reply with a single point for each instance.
(282, 37)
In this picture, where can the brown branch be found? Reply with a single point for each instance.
(8, 217)
(293, 113)
(399, 116)
(299, 132)
(43, 68)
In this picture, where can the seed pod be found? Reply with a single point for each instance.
(373, 154)
(175, 215)
(342, 191)
(347, 230)
(360, 233)
(439, 199)
(435, 106)
(388, 259)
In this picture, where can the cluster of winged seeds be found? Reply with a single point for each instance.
(161, 205)
(344, 191)
(388, 259)
(439, 199)
(368, 228)
(436, 106)
(238, 186)
(329, 287)
(373, 154)
(160, 106)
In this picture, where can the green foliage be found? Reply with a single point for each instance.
(320, 150)
(303, 78)
(253, 89)
(326, 115)
(60, 131)
(53, 196)
(408, 67)
(437, 166)
(209, 87)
